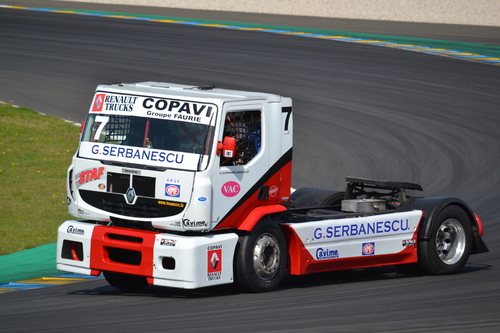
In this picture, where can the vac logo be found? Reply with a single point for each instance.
(214, 265)
(230, 189)
(98, 102)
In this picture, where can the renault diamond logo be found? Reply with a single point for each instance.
(98, 102)
(130, 196)
(214, 261)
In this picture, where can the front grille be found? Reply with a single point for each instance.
(144, 207)
(136, 210)
(144, 186)
(117, 182)
(120, 183)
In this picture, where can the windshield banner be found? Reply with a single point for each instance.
(153, 107)
(136, 155)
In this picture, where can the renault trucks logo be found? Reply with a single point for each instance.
(130, 196)
(214, 267)
(98, 102)
(111, 102)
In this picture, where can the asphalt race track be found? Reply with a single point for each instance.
(360, 110)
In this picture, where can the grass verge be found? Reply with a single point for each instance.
(35, 152)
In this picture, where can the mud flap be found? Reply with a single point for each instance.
(479, 244)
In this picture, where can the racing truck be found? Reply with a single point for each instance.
(188, 186)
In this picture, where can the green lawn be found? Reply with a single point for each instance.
(35, 152)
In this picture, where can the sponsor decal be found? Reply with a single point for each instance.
(177, 110)
(324, 254)
(214, 262)
(101, 186)
(82, 212)
(362, 229)
(74, 230)
(90, 175)
(134, 153)
(171, 203)
(368, 249)
(149, 156)
(201, 201)
(193, 224)
(172, 190)
(131, 171)
(273, 191)
(168, 242)
(98, 102)
(110, 102)
(409, 242)
(230, 189)
(154, 107)
(233, 172)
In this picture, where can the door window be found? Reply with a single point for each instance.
(245, 127)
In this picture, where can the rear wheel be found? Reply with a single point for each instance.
(261, 258)
(125, 281)
(449, 247)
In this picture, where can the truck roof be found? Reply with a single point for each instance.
(192, 92)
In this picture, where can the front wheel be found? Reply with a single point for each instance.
(449, 247)
(261, 258)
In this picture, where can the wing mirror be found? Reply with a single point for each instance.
(82, 126)
(228, 147)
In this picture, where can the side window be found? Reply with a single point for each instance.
(245, 127)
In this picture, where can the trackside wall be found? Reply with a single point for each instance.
(477, 12)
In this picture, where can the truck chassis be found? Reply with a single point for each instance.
(433, 236)
(189, 186)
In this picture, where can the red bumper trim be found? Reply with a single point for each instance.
(122, 250)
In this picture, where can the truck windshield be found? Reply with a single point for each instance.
(161, 134)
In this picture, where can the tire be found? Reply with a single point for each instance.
(449, 247)
(125, 281)
(409, 269)
(261, 258)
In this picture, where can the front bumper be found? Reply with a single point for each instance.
(164, 259)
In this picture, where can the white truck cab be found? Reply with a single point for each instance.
(150, 154)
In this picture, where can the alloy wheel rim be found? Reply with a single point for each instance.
(450, 241)
(266, 256)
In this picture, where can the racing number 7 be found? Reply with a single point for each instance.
(103, 121)
(288, 111)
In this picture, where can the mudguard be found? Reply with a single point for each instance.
(431, 208)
